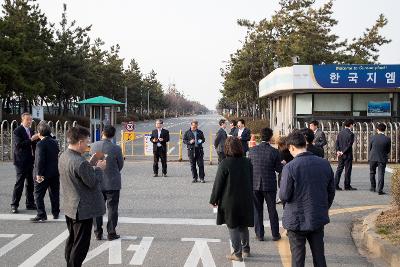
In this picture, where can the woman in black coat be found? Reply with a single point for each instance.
(232, 193)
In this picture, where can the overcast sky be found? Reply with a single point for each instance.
(186, 42)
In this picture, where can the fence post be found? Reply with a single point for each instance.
(180, 145)
(122, 144)
(211, 147)
(12, 138)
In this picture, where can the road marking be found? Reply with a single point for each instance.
(114, 250)
(140, 250)
(200, 251)
(13, 243)
(171, 149)
(284, 250)
(44, 251)
(236, 263)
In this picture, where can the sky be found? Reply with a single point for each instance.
(187, 42)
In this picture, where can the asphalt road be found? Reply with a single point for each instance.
(168, 222)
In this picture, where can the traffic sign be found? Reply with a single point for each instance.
(130, 126)
(129, 136)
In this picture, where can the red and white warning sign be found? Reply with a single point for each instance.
(130, 126)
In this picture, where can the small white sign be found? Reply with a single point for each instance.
(148, 145)
(37, 112)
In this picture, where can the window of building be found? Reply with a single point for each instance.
(303, 104)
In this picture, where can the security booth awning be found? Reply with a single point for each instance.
(331, 92)
(102, 112)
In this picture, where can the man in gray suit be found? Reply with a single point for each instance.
(219, 141)
(111, 183)
(379, 148)
(319, 135)
(82, 196)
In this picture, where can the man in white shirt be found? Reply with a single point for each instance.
(243, 134)
(159, 138)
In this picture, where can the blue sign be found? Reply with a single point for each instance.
(381, 108)
(357, 76)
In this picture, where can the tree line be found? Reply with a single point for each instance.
(297, 29)
(57, 65)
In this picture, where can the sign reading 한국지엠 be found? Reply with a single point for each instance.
(357, 76)
(379, 108)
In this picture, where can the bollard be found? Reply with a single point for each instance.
(180, 145)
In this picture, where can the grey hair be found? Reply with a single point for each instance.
(25, 114)
(160, 121)
(44, 128)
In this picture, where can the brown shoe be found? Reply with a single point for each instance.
(233, 257)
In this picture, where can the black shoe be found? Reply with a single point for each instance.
(338, 188)
(276, 238)
(194, 181)
(165, 175)
(202, 181)
(14, 210)
(31, 207)
(112, 237)
(381, 193)
(55, 217)
(155, 175)
(260, 238)
(372, 189)
(38, 219)
(350, 188)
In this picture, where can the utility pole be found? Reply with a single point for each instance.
(148, 102)
(126, 102)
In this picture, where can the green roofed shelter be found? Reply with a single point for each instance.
(102, 112)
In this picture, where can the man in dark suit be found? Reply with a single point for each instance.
(46, 173)
(309, 135)
(243, 134)
(344, 151)
(110, 183)
(308, 190)
(219, 141)
(24, 151)
(233, 124)
(159, 138)
(266, 162)
(83, 199)
(194, 139)
(379, 148)
(319, 135)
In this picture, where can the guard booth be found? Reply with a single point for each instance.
(331, 93)
(102, 112)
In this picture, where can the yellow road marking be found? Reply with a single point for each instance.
(283, 244)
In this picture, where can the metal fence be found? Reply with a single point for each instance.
(362, 134)
(59, 129)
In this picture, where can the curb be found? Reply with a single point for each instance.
(375, 244)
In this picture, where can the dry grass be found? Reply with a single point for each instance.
(388, 225)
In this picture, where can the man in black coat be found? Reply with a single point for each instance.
(233, 125)
(243, 134)
(219, 141)
(194, 139)
(319, 135)
(344, 151)
(266, 163)
(308, 190)
(160, 138)
(309, 135)
(379, 148)
(46, 173)
(24, 151)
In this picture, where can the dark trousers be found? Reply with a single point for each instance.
(24, 175)
(240, 240)
(347, 164)
(297, 240)
(258, 200)
(160, 153)
(196, 156)
(78, 241)
(112, 199)
(381, 174)
(53, 184)
(221, 156)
